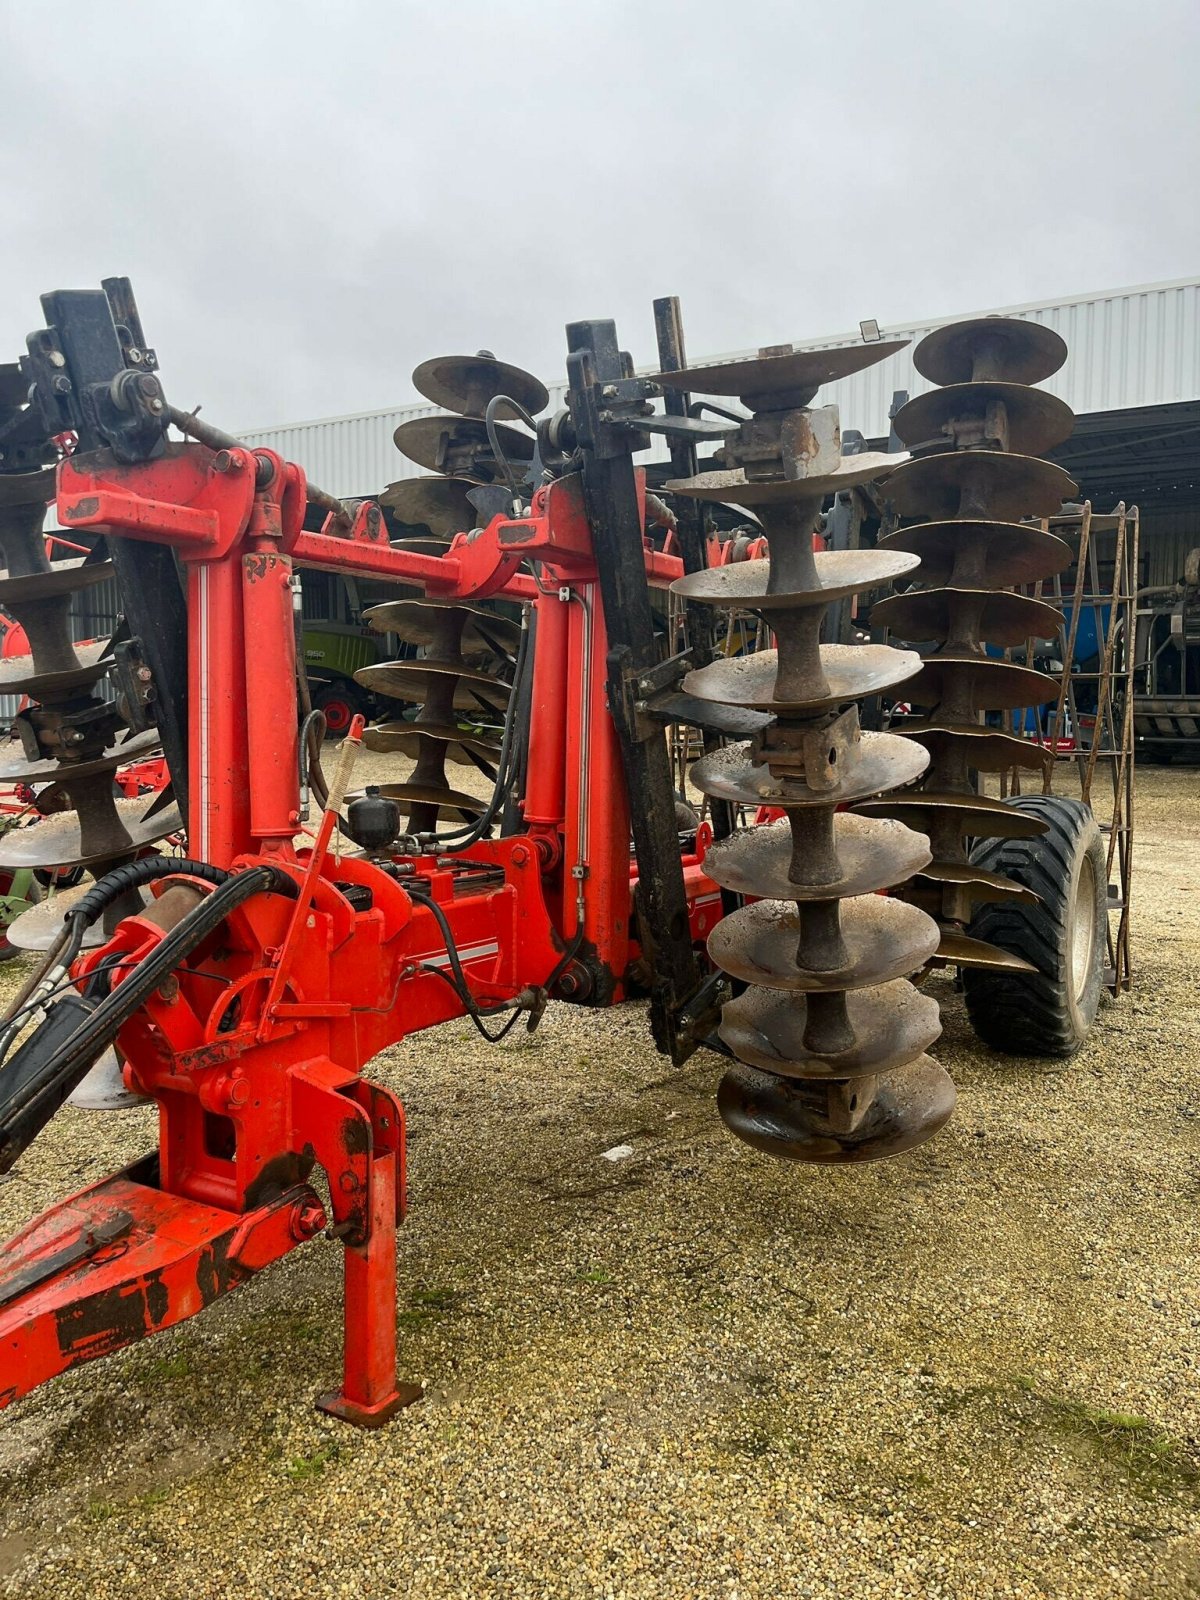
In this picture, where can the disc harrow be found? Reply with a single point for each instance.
(981, 433)
(72, 739)
(829, 1035)
(474, 446)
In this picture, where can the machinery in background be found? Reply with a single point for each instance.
(1166, 698)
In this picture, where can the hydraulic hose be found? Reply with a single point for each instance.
(39, 1080)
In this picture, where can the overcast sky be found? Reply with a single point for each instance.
(311, 198)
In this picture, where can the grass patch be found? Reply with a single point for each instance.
(301, 1468)
(427, 1305)
(1150, 1458)
(164, 1368)
(101, 1510)
(596, 1275)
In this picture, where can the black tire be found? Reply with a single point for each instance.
(1050, 1012)
(341, 702)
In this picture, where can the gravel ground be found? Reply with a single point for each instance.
(693, 1373)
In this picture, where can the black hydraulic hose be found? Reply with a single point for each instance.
(31, 1106)
(69, 941)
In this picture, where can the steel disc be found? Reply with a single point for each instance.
(19, 675)
(989, 685)
(439, 504)
(958, 950)
(54, 841)
(837, 1123)
(423, 623)
(732, 487)
(979, 883)
(431, 441)
(37, 928)
(839, 572)
(758, 379)
(1015, 351)
(1009, 552)
(409, 795)
(1009, 486)
(131, 748)
(27, 488)
(103, 1088)
(874, 853)
(413, 681)
(883, 939)
(468, 384)
(978, 815)
(64, 577)
(987, 749)
(404, 738)
(1004, 619)
(851, 670)
(1037, 420)
(883, 761)
(892, 1023)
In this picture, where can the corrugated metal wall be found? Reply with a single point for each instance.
(1131, 347)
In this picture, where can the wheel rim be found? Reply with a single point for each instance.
(1083, 927)
(338, 715)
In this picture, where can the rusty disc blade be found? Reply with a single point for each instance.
(64, 577)
(1005, 552)
(404, 738)
(132, 747)
(851, 670)
(874, 854)
(427, 440)
(978, 815)
(757, 380)
(19, 675)
(979, 883)
(40, 926)
(883, 938)
(958, 950)
(891, 1023)
(1037, 421)
(744, 584)
(439, 504)
(979, 483)
(103, 1088)
(987, 749)
(837, 1122)
(54, 841)
(987, 684)
(883, 761)
(27, 488)
(1004, 619)
(732, 487)
(468, 385)
(1014, 351)
(412, 681)
(422, 622)
(408, 795)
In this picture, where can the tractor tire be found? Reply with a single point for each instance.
(341, 702)
(1050, 1012)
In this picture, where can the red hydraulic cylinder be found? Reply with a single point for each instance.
(274, 740)
(545, 787)
(219, 809)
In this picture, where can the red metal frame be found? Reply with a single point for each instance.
(254, 1054)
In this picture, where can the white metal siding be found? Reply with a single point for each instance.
(1130, 347)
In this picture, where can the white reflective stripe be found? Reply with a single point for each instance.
(466, 952)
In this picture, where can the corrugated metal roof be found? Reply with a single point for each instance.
(1128, 347)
